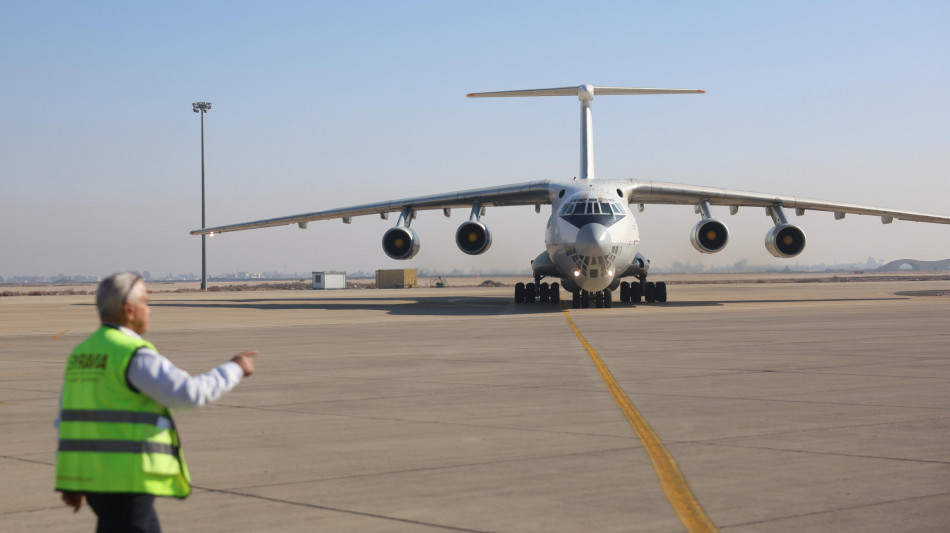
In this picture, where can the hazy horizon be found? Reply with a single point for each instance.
(870, 265)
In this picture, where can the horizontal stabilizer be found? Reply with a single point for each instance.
(642, 90)
(584, 90)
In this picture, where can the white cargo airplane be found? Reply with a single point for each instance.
(592, 237)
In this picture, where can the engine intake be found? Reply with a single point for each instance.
(400, 243)
(709, 236)
(785, 240)
(473, 238)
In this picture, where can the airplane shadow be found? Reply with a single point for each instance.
(769, 301)
(405, 306)
(455, 306)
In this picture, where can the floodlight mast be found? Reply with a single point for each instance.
(201, 108)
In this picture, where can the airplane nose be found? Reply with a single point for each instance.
(593, 240)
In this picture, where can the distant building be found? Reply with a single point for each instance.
(913, 264)
(402, 278)
(329, 280)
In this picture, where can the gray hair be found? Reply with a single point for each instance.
(114, 291)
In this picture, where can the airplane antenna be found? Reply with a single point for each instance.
(585, 93)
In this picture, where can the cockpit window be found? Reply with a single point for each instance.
(581, 211)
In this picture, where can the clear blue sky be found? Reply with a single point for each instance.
(327, 104)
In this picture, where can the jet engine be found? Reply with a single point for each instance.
(400, 243)
(473, 237)
(785, 240)
(709, 236)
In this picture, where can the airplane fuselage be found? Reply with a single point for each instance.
(591, 238)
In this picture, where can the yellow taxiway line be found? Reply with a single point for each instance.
(674, 485)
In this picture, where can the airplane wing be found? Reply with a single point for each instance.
(535, 192)
(657, 192)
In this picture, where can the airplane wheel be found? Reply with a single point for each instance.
(636, 292)
(555, 293)
(576, 299)
(585, 299)
(599, 299)
(530, 291)
(608, 298)
(661, 291)
(543, 293)
(624, 292)
(649, 292)
(519, 293)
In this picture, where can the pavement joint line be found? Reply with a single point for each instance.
(485, 387)
(27, 511)
(436, 422)
(812, 430)
(677, 490)
(21, 459)
(782, 400)
(341, 510)
(436, 468)
(839, 509)
(815, 452)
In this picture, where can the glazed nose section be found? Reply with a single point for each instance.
(593, 240)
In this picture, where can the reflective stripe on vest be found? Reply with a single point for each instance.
(127, 417)
(120, 446)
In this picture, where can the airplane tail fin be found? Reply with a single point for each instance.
(585, 93)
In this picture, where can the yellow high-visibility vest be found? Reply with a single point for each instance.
(111, 437)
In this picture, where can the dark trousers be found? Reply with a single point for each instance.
(124, 513)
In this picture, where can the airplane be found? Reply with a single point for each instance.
(591, 239)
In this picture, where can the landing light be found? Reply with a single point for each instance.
(577, 273)
(610, 272)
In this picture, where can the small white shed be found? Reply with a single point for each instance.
(329, 280)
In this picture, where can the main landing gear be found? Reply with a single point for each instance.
(645, 290)
(542, 292)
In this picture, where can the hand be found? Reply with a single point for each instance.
(73, 499)
(244, 360)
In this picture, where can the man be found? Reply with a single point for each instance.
(118, 446)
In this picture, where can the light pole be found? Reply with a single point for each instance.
(202, 108)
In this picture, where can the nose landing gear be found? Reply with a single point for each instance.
(600, 299)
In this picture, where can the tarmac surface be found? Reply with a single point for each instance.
(787, 407)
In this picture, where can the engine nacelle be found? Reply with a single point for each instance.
(785, 240)
(709, 236)
(400, 243)
(473, 238)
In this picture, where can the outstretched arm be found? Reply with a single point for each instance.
(153, 374)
